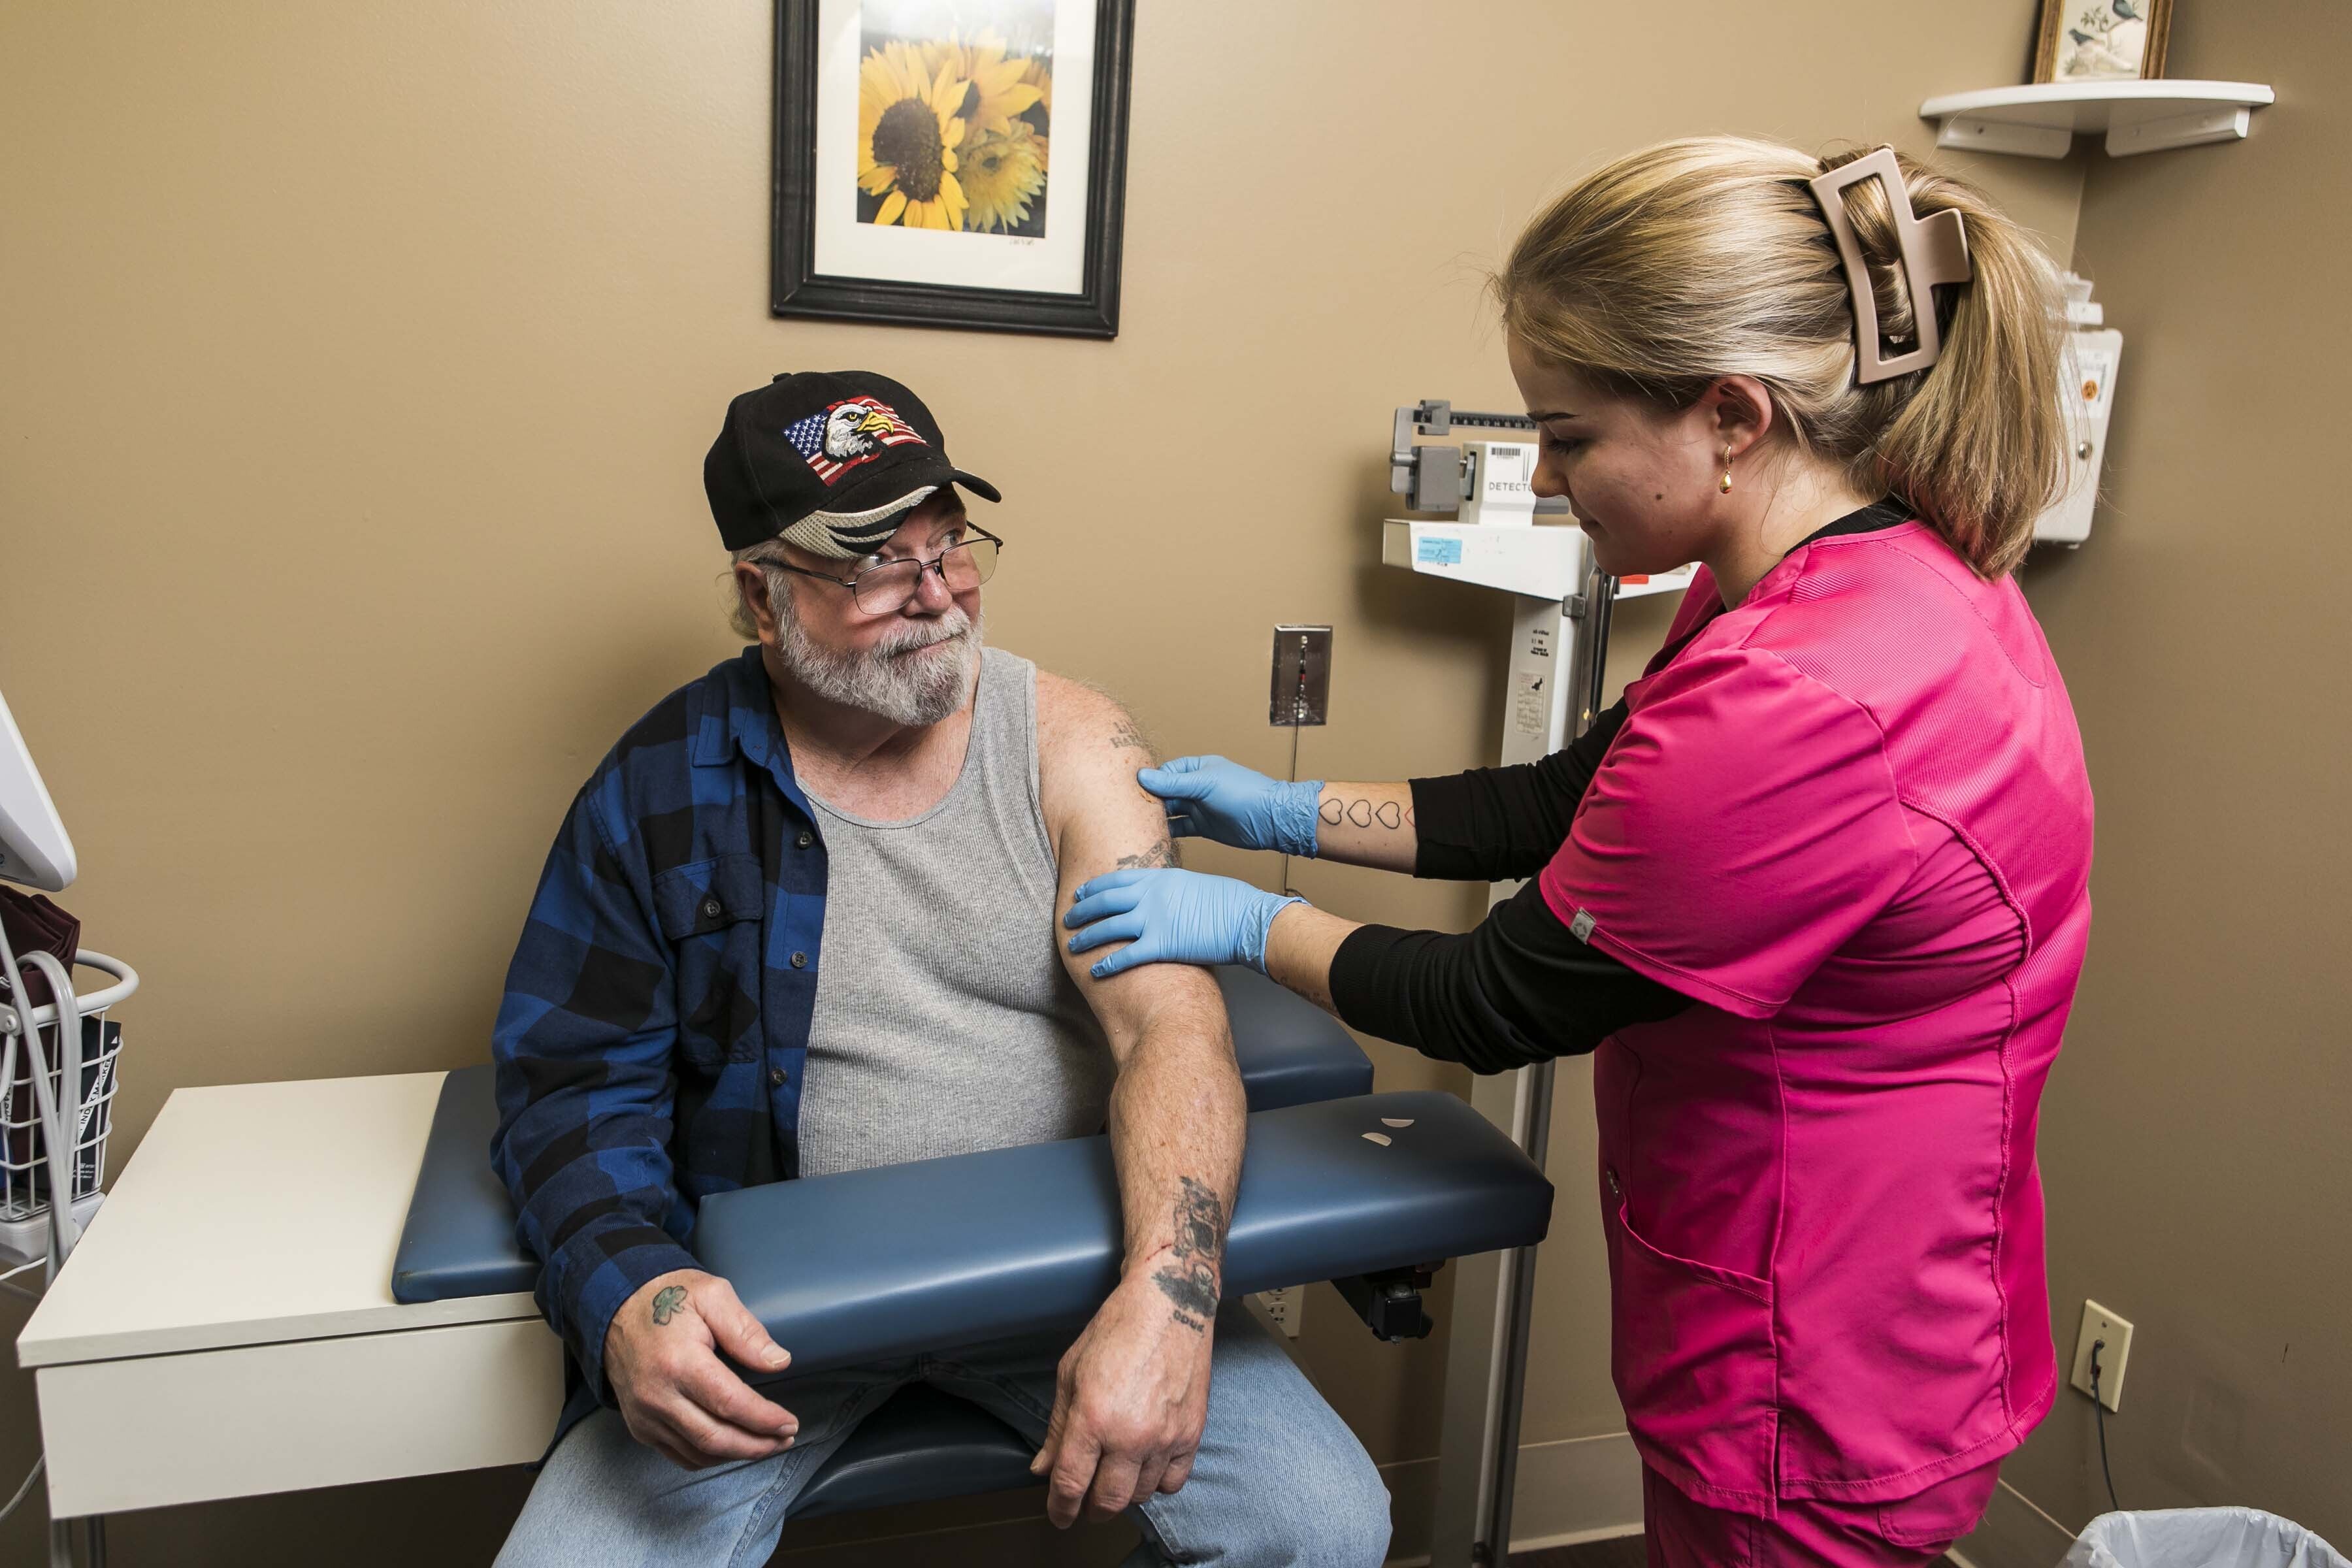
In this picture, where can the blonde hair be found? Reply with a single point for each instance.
(1706, 258)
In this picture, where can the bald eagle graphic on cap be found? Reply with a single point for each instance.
(853, 429)
(859, 426)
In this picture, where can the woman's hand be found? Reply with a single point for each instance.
(1210, 797)
(1168, 916)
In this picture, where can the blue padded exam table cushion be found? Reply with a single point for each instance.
(897, 1260)
(459, 1237)
(923, 1257)
(921, 1443)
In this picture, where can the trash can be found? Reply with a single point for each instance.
(2199, 1538)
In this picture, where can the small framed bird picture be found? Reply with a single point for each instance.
(951, 163)
(2102, 40)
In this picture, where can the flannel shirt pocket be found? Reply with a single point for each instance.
(710, 915)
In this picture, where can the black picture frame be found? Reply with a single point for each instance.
(797, 288)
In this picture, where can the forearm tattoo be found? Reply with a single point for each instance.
(1364, 813)
(1190, 1278)
(666, 1302)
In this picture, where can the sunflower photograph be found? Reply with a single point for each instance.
(954, 115)
(901, 121)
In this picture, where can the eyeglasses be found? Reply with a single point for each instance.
(887, 585)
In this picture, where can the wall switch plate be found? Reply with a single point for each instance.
(1281, 1308)
(1300, 690)
(2099, 1324)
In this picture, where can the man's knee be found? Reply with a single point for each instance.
(1347, 1525)
(1362, 1540)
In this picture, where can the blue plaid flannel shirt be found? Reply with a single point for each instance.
(656, 1014)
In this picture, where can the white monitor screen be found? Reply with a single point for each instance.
(34, 848)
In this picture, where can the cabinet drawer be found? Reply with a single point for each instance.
(152, 1430)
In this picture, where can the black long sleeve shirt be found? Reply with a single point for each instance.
(1519, 988)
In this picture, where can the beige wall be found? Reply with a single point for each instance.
(2193, 1135)
(358, 364)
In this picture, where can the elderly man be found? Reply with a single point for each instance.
(800, 921)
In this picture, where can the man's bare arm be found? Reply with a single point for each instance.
(1136, 1385)
(1177, 1109)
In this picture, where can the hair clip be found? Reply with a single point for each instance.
(1934, 252)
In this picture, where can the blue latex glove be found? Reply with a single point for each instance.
(1210, 797)
(1167, 916)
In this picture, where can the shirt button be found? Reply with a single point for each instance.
(777, 1077)
(1614, 1190)
(804, 840)
(800, 960)
(710, 909)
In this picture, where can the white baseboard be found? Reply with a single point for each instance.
(1570, 1491)
(1578, 1490)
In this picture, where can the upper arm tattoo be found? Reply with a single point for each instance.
(1190, 1277)
(1130, 737)
(1161, 854)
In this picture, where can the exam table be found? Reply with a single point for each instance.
(1368, 1191)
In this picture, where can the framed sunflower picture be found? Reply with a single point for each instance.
(952, 163)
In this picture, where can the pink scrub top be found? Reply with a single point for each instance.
(1849, 818)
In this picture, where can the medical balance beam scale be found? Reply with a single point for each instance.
(1502, 536)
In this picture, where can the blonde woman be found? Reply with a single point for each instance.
(1814, 893)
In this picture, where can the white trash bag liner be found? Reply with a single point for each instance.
(2199, 1538)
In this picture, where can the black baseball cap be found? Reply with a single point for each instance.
(827, 460)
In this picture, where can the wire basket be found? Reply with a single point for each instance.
(82, 1083)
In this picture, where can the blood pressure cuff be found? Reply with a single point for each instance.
(898, 1260)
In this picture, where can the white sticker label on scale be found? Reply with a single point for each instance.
(1531, 702)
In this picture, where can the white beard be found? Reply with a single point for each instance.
(882, 679)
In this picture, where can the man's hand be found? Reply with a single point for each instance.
(1131, 1396)
(661, 1356)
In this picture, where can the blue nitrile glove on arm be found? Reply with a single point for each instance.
(1211, 799)
(1167, 916)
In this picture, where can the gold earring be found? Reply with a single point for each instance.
(1727, 470)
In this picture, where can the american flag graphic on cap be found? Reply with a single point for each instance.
(843, 434)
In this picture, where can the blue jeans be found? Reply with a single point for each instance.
(1279, 1482)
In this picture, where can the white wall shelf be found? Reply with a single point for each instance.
(2040, 120)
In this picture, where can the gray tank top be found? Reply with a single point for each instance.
(945, 1022)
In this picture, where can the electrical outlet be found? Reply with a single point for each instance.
(2100, 1325)
(1282, 1307)
(1300, 689)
